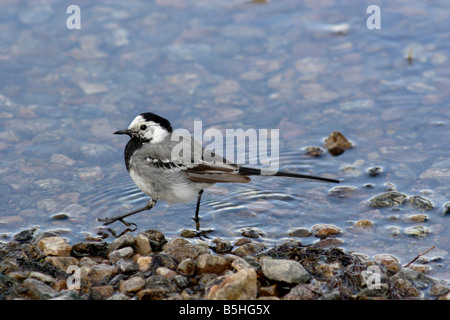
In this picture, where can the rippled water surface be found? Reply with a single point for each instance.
(307, 68)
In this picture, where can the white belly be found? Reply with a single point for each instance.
(179, 191)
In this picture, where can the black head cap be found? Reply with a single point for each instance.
(149, 116)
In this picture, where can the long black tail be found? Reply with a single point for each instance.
(257, 172)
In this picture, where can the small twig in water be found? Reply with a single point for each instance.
(418, 256)
(410, 56)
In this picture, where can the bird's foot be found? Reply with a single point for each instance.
(107, 221)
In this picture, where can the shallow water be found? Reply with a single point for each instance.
(305, 67)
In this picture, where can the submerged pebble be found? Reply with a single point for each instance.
(417, 218)
(417, 231)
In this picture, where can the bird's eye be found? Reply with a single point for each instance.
(143, 127)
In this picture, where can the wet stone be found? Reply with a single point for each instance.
(42, 277)
(187, 233)
(62, 263)
(299, 232)
(241, 263)
(122, 253)
(251, 233)
(302, 291)
(417, 231)
(242, 241)
(249, 249)
(181, 281)
(342, 191)
(132, 285)
(25, 235)
(54, 246)
(417, 218)
(394, 230)
(389, 262)
(446, 208)
(187, 266)
(101, 292)
(421, 203)
(439, 289)
(388, 199)
(93, 275)
(144, 263)
(221, 246)
(336, 143)
(156, 288)
(325, 230)
(375, 171)
(38, 289)
(86, 249)
(125, 240)
(126, 265)
(314, 151)
(156, 238)
(362, 226)
(268, 291)
(328, 243)
(142, 244)
(207, 263)
(241, 285)
(166, 260)
(181, 249)
(167, 273)
(420, 268)
(288, 271)
(60, 216)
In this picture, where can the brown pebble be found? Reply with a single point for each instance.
(336, 143)
(325, 230)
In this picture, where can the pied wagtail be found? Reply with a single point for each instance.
(149, 161)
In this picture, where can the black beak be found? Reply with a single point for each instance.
(126, 131)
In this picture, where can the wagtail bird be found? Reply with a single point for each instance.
(151, 163)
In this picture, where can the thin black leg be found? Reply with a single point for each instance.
(148, 206)
(196, 219)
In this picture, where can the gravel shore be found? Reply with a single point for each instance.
(149, 266)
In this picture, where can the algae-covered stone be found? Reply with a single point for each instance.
(388, 199)
(421, 203)
(417, 231)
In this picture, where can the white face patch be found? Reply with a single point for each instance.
(136, 122)
(152, 130)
